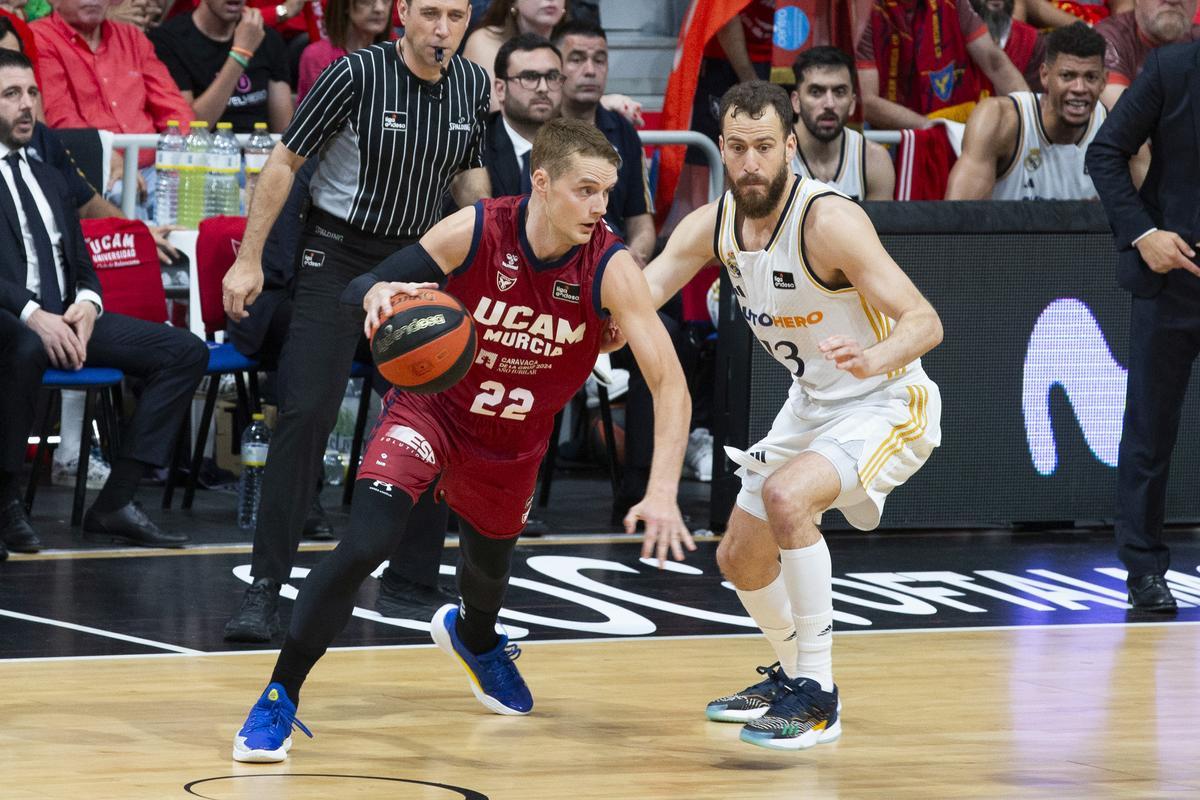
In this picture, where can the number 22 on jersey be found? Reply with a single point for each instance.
(493, 393)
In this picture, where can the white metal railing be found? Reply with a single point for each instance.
(132, 144)
(716, 170)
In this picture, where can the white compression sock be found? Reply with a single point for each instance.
(71, 421)
(808, 574)
(771, 609)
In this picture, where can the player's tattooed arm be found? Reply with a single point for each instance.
(686, 252)
(843, 247)
(625, 294)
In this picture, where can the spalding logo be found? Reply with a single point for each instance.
(393, 335)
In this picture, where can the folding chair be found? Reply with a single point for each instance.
(216, 249)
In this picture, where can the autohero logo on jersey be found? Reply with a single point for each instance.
(525, 329)
(762, 320)
(395, 334)
(395, 121)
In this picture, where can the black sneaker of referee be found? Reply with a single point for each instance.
(257, 618)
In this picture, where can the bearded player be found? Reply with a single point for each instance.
(826, 300)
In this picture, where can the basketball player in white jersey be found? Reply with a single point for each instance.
(827, 301)
(1027, 146)
(827, 150)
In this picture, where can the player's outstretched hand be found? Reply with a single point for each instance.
(378, 301)
(664, 528)
(848, 355)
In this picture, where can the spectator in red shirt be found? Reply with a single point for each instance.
(1133, 34)
(914, 60)
(351, 25)
(101, 74)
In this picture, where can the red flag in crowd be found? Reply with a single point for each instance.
(704, 18)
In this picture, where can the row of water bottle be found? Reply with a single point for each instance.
(198, 174)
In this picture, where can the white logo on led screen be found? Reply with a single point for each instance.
(1068, 349)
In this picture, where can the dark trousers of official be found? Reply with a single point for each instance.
(313, 370)
(1164, 336)
(168, 361)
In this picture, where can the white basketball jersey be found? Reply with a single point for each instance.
(851, 179)
(1041, 170)
(790, 311)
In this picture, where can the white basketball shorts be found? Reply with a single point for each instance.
(875, 442)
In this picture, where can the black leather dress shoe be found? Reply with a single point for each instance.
(316, 525)
(128, 525)
(1151, 593)
(17, 534)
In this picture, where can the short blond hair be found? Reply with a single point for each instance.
(561, 138)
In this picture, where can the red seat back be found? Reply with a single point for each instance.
(216, 248)
(126, 261)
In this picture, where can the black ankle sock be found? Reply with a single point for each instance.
(476, 629)
(293, 666)
(119, 489)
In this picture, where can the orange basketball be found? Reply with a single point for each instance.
(426, 344)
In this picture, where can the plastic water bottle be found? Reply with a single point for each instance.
(222, 195)
(258, 149)
(166, 163)
(192, 174)
(255, 440)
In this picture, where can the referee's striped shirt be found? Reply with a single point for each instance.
(389, 142)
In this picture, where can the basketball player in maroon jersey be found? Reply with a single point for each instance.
(540, 275)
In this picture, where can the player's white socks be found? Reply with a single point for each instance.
(771, 609)
(808, 574)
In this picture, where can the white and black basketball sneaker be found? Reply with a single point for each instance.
(804, 716)
(751, 702)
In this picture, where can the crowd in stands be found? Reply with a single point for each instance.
(997, 98)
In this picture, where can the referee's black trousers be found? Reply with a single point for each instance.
(1164, 340)
(314, 367)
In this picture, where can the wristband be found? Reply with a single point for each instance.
(244, 53)
(240, 59)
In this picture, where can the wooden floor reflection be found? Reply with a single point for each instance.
(1087, 711)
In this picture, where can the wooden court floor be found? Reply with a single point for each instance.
(1070, 711)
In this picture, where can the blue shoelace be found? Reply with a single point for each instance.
(274, 716)
(501, 669)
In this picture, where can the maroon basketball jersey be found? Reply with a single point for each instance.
(538, 326)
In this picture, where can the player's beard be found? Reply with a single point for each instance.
(757, 206)
(822, 136)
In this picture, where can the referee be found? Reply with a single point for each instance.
(397, 125)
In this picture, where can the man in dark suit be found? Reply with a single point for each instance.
(51, 313)
(528, 87)
(1156, 230)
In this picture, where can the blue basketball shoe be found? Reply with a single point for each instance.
(267, 734)
(804, 716)
(494, 677)
(751, 702)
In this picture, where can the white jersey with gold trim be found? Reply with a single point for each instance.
(788, 309)
(1040, 169)
(851, 179)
